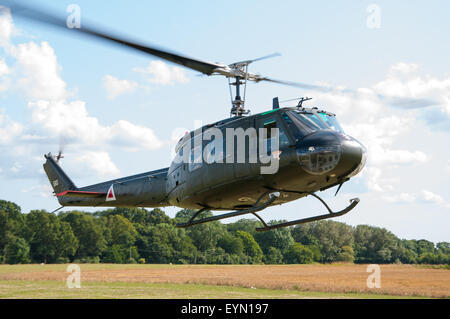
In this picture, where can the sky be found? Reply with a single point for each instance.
(116, 112)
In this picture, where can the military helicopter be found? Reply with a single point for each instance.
(305, 147)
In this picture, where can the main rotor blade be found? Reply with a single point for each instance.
(37, 15)
(247, 62)
(396, 101)
(321, 88)
(266, 57)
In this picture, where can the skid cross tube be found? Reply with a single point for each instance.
(272, 197)
(331, 214)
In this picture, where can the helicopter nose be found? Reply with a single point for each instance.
(325, 151)
(319, 152)
(353, 158)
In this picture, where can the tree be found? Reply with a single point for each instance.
(50, 239)
(298, 254)
(251, 247)
(376, 245)
(346, 254)
(204, 236)
(279, 238)
(424, 246)
(17, 251)
(245, 224)
(88, 232)
(408, 251)
(163, 243)
(273, 256)
(126, 235)
(122, 231)
(11, 221)
(443, 247)
(303, 234)
(231, 244)
(138, 215)
(3, 228)
(119, 254)
(332, 236)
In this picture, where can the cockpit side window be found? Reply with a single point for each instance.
(268, 123)
(293, 128)
(271, 123)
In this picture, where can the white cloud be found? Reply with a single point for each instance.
(72, 121)
(9, 129)
(133, 137)
(434, 198)
(385, 130)
(403, 68)
(115, 87)
(424, 196)
(6, 26)
(99, 163)
(400, 198)
(41, 79)
(163, 74)
(54, 118)
(397, 157)
(379, 134)
(43, 190)
(406, 85)
(4, 69)
(373, 178)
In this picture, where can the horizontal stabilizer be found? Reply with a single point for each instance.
(81, 194)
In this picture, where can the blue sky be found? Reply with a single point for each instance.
(130, 105)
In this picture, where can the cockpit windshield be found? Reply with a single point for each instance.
(331, 121)
(303, 123)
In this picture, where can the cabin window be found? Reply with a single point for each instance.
(196, 158)
(283, 139)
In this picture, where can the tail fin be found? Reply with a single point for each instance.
(58, 179)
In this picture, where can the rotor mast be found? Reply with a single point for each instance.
(237, 105)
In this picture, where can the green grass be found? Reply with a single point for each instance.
(107, 290)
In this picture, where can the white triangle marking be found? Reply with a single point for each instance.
(110, 196)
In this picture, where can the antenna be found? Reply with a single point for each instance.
(303, 99)
(300, 101)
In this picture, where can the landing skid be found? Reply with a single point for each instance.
(331, 214)
(252, 210)
(256, 208)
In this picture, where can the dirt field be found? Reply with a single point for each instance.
(398, 280)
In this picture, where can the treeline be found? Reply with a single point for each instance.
(149, 236)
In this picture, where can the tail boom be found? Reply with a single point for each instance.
(141, 190)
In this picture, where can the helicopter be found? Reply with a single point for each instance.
(243, 164)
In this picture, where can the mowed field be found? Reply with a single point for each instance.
(223, 281)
